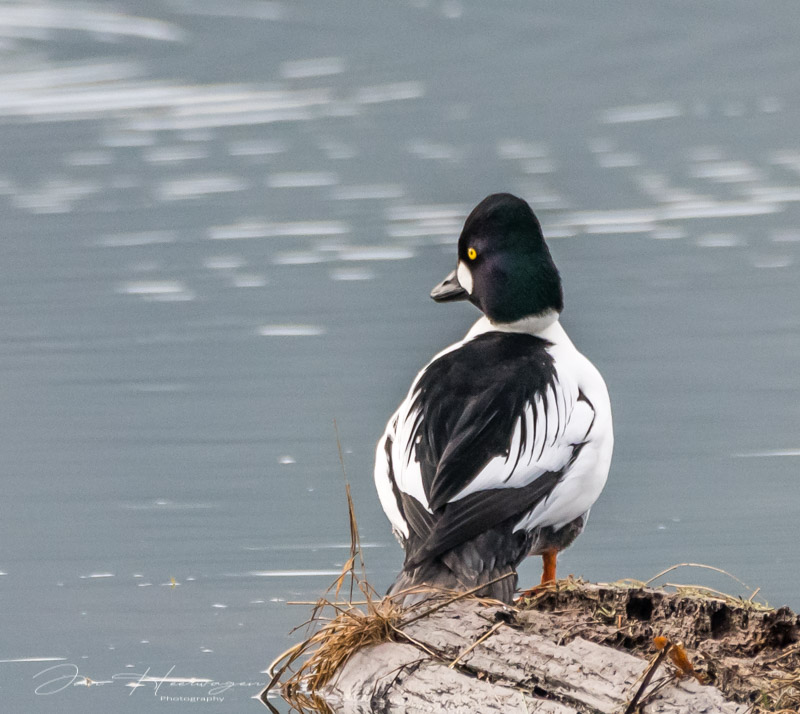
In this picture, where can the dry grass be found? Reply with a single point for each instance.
(781, 696)
(337, 638)
(701, 591)
(339, 628)
(326, 650)
(351, 628)
(697, 592)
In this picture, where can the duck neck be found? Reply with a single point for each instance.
(544, 325)
(531, 325)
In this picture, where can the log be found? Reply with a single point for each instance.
(578, 649)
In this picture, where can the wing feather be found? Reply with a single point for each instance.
(388, 492)
(486, 433)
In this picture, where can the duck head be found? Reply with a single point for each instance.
(504, 265)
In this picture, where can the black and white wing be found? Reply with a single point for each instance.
(386, 484)
(485, 435)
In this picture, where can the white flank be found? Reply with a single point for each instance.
(383, 482)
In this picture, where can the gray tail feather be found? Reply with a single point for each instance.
(465, 567)
(436, 578)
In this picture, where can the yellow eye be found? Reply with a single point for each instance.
(472, 253)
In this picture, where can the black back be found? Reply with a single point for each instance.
(467, 403)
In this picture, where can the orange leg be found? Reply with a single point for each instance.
(548, 575)
(549, 566)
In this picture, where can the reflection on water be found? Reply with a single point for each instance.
(221, 224)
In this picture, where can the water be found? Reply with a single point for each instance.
(221, 221)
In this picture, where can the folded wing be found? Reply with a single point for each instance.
(486, 433)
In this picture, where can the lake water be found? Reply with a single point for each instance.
(221, 222)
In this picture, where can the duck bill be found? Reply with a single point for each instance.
(449, 290)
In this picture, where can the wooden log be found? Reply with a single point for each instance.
(510, 670)
(393, 676)
(574, 648)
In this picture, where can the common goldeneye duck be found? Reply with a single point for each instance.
(504, 441)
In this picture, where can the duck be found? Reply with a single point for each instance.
(504, 441)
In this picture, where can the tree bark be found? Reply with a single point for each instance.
(474, 657)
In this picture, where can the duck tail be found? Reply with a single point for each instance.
(465, 567)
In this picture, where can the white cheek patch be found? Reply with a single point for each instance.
(464, 277)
